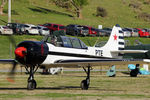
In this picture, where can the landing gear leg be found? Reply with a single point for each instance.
(31, 82)
(85, 83)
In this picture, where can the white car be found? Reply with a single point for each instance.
(43, 30)
(31, 29)
(5, 30)
(126, 33)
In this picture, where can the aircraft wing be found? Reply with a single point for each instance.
(102, 62)
(130, 51)
(7, 60)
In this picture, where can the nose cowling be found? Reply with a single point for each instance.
(20, 52)
(31, 52)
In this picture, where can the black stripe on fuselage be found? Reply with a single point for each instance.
(121, 48)
(121, 43)
(121, 37)
(96, 60)
(74, 55)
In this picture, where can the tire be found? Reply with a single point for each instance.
(0, 33)
(31, 85)
(27, 32)
(84, 85)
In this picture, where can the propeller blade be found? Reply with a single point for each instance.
(12, 72)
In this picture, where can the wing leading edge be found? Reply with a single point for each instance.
(7, 60)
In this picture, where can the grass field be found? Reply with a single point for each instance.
(67, 87)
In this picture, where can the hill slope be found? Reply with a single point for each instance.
(42, 11)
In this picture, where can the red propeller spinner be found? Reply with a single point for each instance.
(20, 52)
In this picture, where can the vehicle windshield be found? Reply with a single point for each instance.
(85, 28)
(61, 27)
(33, 27)
(26, 26)
(47, 25)
(55, 26)
(46, 29)
(5, 27)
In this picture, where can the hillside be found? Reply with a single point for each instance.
(42, 11)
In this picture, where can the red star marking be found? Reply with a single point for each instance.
(115, 37)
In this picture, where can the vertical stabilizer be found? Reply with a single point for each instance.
(115, 41)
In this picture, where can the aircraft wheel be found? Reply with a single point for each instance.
(31, 85)
(84, 85)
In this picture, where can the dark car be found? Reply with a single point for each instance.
(101, 32)
(72, 29)
(107, 31)
(14, 27)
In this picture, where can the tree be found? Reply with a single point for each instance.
(76, 4)
(3, 2)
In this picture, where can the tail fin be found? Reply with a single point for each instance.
(115, 41)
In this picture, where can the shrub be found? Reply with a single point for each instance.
(135, 5)
(101, 12)
(147, 2)
(144, 16)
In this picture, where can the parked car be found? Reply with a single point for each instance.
(84, 31)
(43, 30)
(126, 32)
(22, 29)
(72, 29)
(58, 27)
(143, 33)
(101, 32)
(14, 27)
(5, 30)
(54, 27)
(107, 31)
(31, 29)
(48, 25)
(92, 31)
(134, 32)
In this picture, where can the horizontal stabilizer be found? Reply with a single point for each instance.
(147, 60)
(130, 51)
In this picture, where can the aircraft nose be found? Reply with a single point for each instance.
(20, 52)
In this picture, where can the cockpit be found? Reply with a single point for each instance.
(64, 41)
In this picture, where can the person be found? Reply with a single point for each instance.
(54, 40)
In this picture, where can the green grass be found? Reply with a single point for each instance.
(39, 12)
(62, 86)
(67, 95)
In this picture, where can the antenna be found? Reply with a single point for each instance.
(98, 38)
